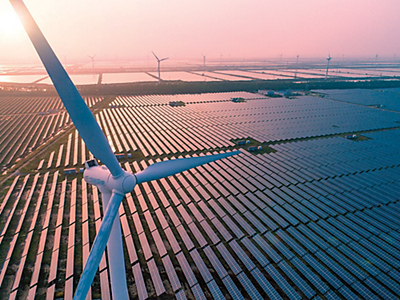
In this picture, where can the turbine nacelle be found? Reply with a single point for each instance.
(101, 177)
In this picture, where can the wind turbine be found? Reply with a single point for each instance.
(297, 66)
(159, 64)
(112, 181)
(92, 58)
(327, 66)
(204, 61)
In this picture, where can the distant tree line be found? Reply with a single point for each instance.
(181, 87)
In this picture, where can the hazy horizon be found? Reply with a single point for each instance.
(130, 30)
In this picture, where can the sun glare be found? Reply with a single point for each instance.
(10, 24)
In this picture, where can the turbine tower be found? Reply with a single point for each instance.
(92, 58)
(204, 61)
(112, 181)
(297, 66)
(159, 65)
(327, 65)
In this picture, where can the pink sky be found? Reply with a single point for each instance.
(186, 29)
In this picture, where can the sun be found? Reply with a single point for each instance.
(10, 24)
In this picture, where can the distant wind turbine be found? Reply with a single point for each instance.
(204, 61)
(92, 58)
(159, 64)
(327, 65)
(297, 66)
(376, 60)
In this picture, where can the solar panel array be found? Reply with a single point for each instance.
(25, 123)
(318, 218)
(386, 98)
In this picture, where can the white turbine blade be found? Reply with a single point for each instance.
(77, 109)
(167, 168)
(164, 59)
(155, 55)
(98, 247)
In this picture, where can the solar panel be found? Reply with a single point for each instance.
(328, 276)
(215, 262)
(249, 230)
(265, 285)
(299, 282)
(221, 229)
(311, 276)
(155, 276)
(249, 287)
(187, 270)
(288, 217)
(324, 234)
(255, 252)
(172, 240)
(267, 248)
(346, 277)
(198, 292)
(371, 257)
(363, 291)
(139, 281)
(215, 290)
(145, 246)
(379, 289)
(359, 260)
(205, 273)
(277, 218)
(149, 220)
(185, 237)
(206, 211)
(233, 227)
(173, 278)
(283, 284)
(242, 255)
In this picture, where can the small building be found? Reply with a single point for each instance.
(287, 94)
(69, 171)
(120, 155)
(351, 136)
(129, 155)
(238, 99)
(241, 142)
(253, 148)
(177, 103)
